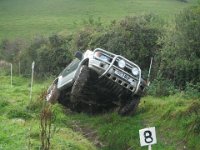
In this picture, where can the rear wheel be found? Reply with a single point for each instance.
(64, 97)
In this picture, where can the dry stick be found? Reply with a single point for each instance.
(46, 120)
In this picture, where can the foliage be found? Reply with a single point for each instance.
(192, 91)
(50, 55)
(133, 37)
(180, 57)
(9, 49)
(4, 68)
(161, 87)
(9, 52)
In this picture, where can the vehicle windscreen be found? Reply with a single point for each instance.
(71, 67)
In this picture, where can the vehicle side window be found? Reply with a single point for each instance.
(71, 67)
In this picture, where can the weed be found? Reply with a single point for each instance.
(45, 124)
(36, 105)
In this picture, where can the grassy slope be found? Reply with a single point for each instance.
(27, 18)
(176, 120)
(177, 125)
(20, 120)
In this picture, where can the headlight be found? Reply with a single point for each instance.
(102, 57)
(121, 63)
(135, 71)
(97, 54)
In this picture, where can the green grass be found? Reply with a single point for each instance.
(177, 124)
(20, 119)
(176, 120)
(28, 18)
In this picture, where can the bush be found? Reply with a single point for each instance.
(51, 55)
(10, 49)
(192, 91)
(4, 68)
(180, 55)
(135, 38)
(161, 87)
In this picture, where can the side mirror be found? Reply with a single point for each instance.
(79, 55)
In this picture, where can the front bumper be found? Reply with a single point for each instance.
(116, 74)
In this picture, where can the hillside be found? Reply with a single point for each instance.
(26, 18)
(172, 103)
(176, 121)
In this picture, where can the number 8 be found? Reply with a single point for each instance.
(148, 136)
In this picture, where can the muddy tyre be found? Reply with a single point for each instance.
(83, 89)
(130, 106)
(64, 98)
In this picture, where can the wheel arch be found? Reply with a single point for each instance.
(55, 81)
(85, 62)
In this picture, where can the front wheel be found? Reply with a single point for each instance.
(83, 89)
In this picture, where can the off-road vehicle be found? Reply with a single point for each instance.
(98, 80)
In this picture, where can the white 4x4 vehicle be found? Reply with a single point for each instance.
(98, 80)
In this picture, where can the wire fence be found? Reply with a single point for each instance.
(6, 69)
(9, 72)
